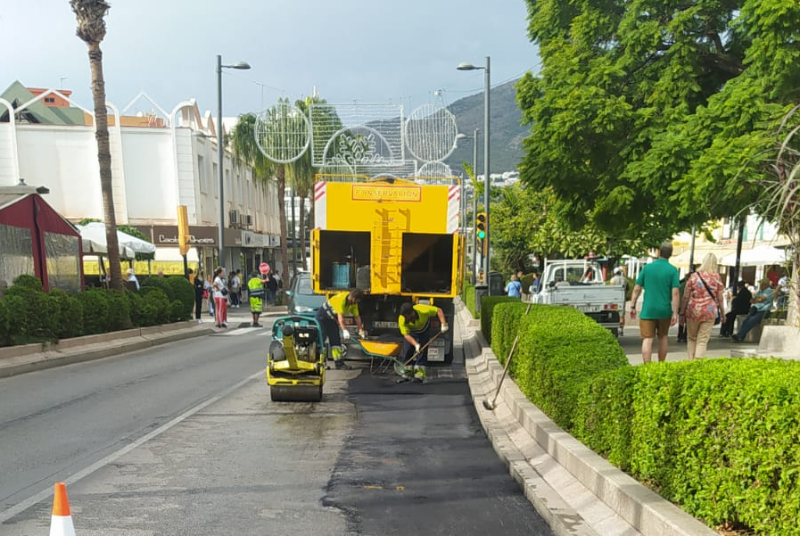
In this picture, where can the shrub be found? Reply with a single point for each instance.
(560, 351)
(28, 281)
(5, 316)
(505, 326)
(33, 316)
(183, 291)
(95, 311)
(468, 297)
(160, 283)
(156, 308)
(177, 311)
(69, 319)
(135, 307)
(119, 310)
(487, 306)
(717, 436)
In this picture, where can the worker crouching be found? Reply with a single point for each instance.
(415, 326)
(331, 317)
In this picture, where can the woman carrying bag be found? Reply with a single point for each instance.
(702, 306)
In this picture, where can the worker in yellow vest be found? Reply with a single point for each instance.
(415, 327)
(331, 318)
(255, 292)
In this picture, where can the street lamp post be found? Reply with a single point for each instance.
(486, 136)
(221, 152)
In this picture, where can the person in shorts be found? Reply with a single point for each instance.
(661, 285)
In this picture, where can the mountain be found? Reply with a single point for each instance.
(506, 130)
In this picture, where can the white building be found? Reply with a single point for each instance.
(159, 160)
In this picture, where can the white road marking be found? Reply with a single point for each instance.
(47, 493)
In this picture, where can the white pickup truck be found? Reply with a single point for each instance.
(579, 284)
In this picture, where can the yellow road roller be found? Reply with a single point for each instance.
(296, 360)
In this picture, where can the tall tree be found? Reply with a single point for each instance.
(90, 15)
(246, 151)
(653, 110)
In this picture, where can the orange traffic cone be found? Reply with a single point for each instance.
(61, 523)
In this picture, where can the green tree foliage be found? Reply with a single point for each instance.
(528, 221)
(656, 112)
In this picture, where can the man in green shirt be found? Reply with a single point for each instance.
(660, 282)
(415, 323)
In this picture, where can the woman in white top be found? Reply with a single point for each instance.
(220, 298)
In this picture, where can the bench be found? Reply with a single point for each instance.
(773, 318)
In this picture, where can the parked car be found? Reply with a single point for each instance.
(301, 299)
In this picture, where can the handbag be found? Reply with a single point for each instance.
(224, 292)
(717, 318)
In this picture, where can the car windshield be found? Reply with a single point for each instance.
(304, 295)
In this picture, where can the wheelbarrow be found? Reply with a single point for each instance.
(389, 351)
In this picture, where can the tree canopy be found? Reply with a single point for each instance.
(656, 112)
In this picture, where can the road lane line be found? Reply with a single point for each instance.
(83, 473)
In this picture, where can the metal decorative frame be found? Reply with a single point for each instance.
(283, 133)
(430, 133)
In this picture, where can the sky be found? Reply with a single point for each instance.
(368, 51)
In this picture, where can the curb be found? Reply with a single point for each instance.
(32, 357)
(575, 490)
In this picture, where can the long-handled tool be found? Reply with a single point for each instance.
(492, 405)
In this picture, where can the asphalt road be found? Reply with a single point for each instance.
(183, 439)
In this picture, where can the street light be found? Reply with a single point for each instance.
(486, 183)
(220, 150)
(474, 139)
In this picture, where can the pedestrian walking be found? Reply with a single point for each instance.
(233, 289)
(208, 295)
(331, 317)
(514, 288)
(703, 302)
(199, 287)
(272, 288)
(619, 279)
(220, 298)
(415, 327)
(660, 283)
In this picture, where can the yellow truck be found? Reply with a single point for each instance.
(397, 240)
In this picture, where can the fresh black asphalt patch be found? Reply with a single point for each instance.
(418, 462)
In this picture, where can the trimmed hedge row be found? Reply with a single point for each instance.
(468, 297)
(720, 437)
(559, 352)
(488, 303)
(28, 314)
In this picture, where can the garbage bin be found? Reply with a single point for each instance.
(496, 285)
(480, 292)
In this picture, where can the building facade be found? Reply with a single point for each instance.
(159, 159)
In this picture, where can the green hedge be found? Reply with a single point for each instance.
(29, 315)
(559, 352)
(160, 283)
(468, 297)
(720, 437)
(488, 304)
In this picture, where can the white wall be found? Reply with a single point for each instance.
(64, 159)
(150, 186)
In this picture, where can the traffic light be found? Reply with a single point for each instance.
(480, 225)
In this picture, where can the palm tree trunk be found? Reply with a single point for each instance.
(104, 158)
(281, 174)
(303, 231)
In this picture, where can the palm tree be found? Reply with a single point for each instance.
(246, 151)
(90, 15)
(301, 175)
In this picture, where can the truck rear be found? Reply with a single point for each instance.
(397, 240)
(579, 284)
